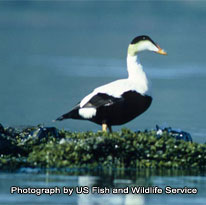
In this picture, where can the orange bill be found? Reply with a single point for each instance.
(161, 51)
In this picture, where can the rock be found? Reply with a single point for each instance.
(1, 129)
(176, 133)
(44, 132)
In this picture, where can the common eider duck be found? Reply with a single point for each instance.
(120, 101)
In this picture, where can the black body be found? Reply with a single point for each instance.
(111, 110)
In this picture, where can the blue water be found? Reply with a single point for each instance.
(112, 180)
(52, 54)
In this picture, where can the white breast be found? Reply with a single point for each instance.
(136, 81)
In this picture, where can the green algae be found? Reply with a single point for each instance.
(52, 148)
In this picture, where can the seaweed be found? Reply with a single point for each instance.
(48, 147)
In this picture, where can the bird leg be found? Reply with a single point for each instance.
(104, 127)
(110, 129)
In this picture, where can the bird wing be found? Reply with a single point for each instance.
(111, 91)
(95, 101)
(102, 99)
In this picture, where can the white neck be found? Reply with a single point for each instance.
(136, 74)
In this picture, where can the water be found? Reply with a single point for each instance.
(52, 54)
(55, 53)
(110, 180)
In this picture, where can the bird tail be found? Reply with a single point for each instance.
(74, 114)
(60, 118)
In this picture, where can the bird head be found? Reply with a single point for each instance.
(141, 43)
